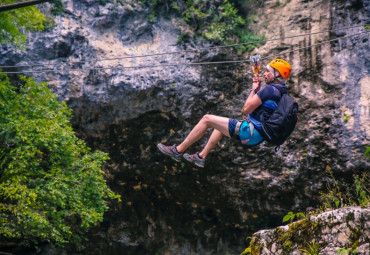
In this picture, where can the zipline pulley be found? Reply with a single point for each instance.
(255, 64)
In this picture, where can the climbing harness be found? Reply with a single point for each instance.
(237, 128)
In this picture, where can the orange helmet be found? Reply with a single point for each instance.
(282, 66)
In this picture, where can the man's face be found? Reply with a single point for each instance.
(269, 77)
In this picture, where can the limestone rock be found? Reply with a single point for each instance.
(126, 111)
(319, 233)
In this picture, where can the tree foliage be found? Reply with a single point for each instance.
(218, 21)
(51, 185)
(13, 22)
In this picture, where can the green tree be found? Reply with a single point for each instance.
(52, 187)
(214, 20)
(14, 21)
(224, 24)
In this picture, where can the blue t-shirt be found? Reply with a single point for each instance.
(270, 97)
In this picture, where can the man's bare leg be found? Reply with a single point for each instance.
(213, 140)
(208, 121)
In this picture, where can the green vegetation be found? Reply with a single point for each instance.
(311, 249)
(51, 185)
(346, 118)
(304, 231)
(49, 23)
(301, 232)
(247, 250)
(357, 194)
(290, 216)
(58, 8)
(345, 251)
(14, 22)
(367, 152)
(216, 21)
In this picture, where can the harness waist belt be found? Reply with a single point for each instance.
(237, 128)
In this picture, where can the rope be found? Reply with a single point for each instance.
(186, 64)
(189, 51)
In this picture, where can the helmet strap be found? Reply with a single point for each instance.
(276, 74)
(271, 70)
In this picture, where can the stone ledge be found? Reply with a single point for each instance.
(345, 228)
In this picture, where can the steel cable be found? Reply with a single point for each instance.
(184, 64)
(187, 51)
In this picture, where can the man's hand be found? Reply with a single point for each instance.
(256, 82)
(256, 79)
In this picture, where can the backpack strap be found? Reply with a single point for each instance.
(282, 92)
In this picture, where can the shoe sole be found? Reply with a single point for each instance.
(202, 166)
(167, 154)
(194, 162)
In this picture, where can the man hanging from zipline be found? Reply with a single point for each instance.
(257, 113)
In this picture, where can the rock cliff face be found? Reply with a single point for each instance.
(171, 208)
(340, 231)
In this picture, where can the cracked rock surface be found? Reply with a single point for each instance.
(175, 208)
(346, 228)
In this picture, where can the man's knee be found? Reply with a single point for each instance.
(207, 119)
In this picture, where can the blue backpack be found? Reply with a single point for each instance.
(280, 125)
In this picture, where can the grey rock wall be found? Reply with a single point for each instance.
(173, 208)
(335, 232)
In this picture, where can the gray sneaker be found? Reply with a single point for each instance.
(194, 158)
(170, 151)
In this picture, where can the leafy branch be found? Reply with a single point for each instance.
(216, 21)
(52, 187)
(291, 216)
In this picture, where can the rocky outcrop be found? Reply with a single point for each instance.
(175, 208)
(335, 232)
(323, 71)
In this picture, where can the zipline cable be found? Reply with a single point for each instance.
(235, 61)
(190, 51)
(216, 47)
(312, 45)
(184, 64)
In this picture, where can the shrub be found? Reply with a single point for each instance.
(51, 185)
(58, 7)
(216, 21)
(13, 22)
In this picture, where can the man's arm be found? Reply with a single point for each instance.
(253, 100)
